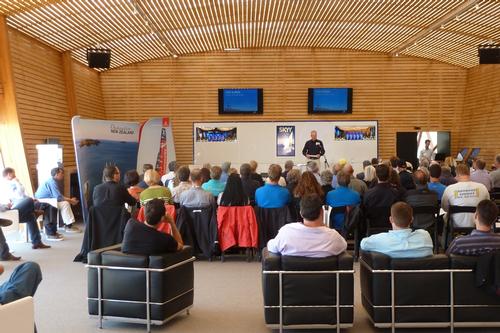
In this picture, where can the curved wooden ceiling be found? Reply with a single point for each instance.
(138, 30)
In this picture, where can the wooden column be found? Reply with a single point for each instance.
(11, 139)
(70, 85)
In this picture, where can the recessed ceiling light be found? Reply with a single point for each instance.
(232, 49)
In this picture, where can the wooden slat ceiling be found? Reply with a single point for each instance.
(138, 30)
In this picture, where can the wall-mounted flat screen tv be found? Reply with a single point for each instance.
(241, 101)
(330, 100)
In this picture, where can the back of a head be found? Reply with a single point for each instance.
(245, 170)
(420, 177)
(462, 170)
(480, 164)
(366, 163)
(146, 167)
(348, 169)
(435, 171)
(293, 176)
(343, 178)
(445, 171)
(183, 173)
(402, 214)
(274, 172)
(383, 172)
(394, 161)
(253, 165)
(109, 173)
(289, 165)
(233, 194)
(131, 178)
(215, 172)
(7, 171)
(312, 166)
(402, 163)
(311, 206)
(326, 177)
(308, 184)
(172, 165)
(394, 178)
(225, 166)
(369, 173)
(374, 161)
(154, 210)
(196, 175)
(151, 177)
(487, 212)
(205, 175)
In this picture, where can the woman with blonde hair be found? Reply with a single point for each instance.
(154, 191)
(370, 176)
(451, 163)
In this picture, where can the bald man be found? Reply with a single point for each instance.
(313, 149)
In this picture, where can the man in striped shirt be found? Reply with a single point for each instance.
(483, 239)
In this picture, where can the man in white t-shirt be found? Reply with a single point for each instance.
(464, 193)
(310, 238)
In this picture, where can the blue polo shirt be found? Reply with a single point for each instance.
(438, 188)
(342, 196)
(272, 196)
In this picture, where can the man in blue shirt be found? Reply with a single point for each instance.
(214, 185)
(341, 196)
(50, 190)
(272, 195)
(434, 184)
(401, 241)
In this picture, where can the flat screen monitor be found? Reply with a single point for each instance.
(329, 100)
(241, 101)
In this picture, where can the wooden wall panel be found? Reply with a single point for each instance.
(400, 92)
(481, 115)
(89, 102)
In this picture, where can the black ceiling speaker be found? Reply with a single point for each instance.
(99, 58)
(489, 54)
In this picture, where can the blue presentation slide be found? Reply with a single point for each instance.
(240, 100)
(330, 99)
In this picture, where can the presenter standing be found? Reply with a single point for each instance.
(313, 149)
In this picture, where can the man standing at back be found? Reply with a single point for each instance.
(401, 241)
(464, 193)
(272, 195)
(310, 238)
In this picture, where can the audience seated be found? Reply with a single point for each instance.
(313, 167)
(326, 181)
(233, 194)
(50, 189)
(225, 167)
(335, 170)
(145, 167)
(405, 177)
(5, 254)
(446, 176)
(483, 239)
(361, 175)
(249, 185)
(434, 184)
(342, 196)
(401, 241)
(383, 194)
(131, 179)
(111, 192)
(355, 184)
(396, 182)
(271, 195)
(144, 239)
(23, 282)
(205, 174)
(154, 191)
(307, 185)
(464, 193)
(495, 175)
(310, 238)
(13, 196)
(370, 176)
(393, 162)
(422, 196)
(167, 179)
(288, 166)
(214, 185)
(480, 175)
(184, 183)
(196, 196)
(253, 174)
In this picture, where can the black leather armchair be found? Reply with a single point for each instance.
(436, 291)
(305, 293)
(140, 289)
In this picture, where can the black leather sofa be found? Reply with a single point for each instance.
(436, 291)
(301, 293)
(140, 289)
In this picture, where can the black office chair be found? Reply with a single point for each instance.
(377, 220)
(451, 229)
(427, 212)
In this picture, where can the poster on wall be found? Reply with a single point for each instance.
(216, 134)
(354, 133)
(285, 140)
